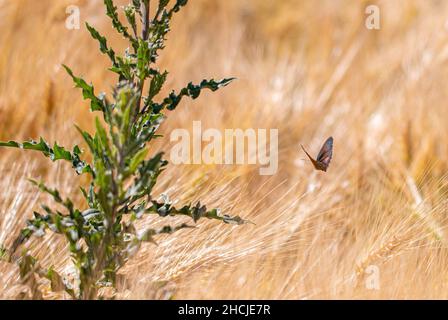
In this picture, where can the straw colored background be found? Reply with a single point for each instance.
(310, 69)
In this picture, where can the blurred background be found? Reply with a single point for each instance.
(308, 68)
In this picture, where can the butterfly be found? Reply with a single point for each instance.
(324, 157)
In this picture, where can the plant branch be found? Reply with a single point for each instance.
(145, 5)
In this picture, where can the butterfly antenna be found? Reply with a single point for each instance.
(306, 152)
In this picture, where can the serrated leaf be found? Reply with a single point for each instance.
(56, 153)
(42, 146)
(192, 91)
(136, 4)
(129, 12)
(55, 194)
(56, 282)
(137, 160)
(111, 12)
(148, 234)
(88, 91)
(3, 253)
(59, 153)
(11, 144)
(157, 82)
(103, 43)
(26, 265)
(101, 134)
(143, 60)
(195, 212)
(179, 4)
(163, 4)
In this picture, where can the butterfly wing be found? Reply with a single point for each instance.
(315, 164)
(325, 154)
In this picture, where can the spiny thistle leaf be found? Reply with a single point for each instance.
(103, 43)
(87, 138)
(192, 91)
(96, 104)
(148, 234)
(143, 60)
(163, 4)
(111, 11)
(179, 4)
(136, 4)
(195, 212)
(56, 282)
(103, 140)
(3, 253)
(55, 194)
(137, 160)
(157, 82)
(26, 265)
(56, 153)
(129, 12)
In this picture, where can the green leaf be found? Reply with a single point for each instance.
(103, 139)
(88, 139)
(55, 194)
(137, 160)
(192, 91)
(59, 153)
(195, 212)
(157, 82)
(179, 4)
(111, 12)
(143, 60)
(129, 12)
(163, 4)
(24, 235)
(11, 144)
(56, 153)
(96, 104)
(42, 146)
(148, 173)
(103, 43)
(3, 253)
(148, 234)
(56, 282)
(26, 265)
(136, 4)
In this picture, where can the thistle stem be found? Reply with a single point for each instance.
(145, 18)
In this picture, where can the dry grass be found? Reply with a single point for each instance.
(311, 70)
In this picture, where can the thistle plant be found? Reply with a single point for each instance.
(102, 235)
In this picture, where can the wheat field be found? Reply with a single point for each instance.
(310, 69)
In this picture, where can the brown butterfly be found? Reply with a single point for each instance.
(324, 157)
